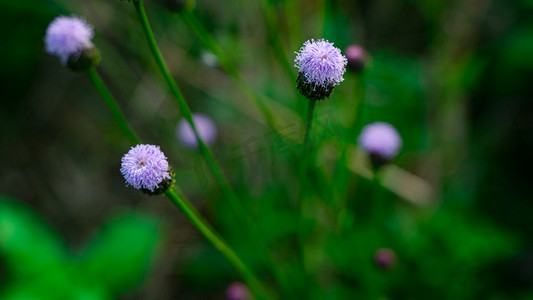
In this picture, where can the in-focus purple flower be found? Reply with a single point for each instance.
(67, 36)
(145, 167)
(237, 291)
(357, 58)
(385, 259)
(381, 141)
(321, 67)
(205, 126)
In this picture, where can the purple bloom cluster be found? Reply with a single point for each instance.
(321, 63)
(357, 58)
(206, 129)
(385, 259)
(237, 291)
(67, 36)
(145, 167)
(380, 139)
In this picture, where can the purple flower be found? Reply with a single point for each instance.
(206, 129)
(321, 67)
(380, 140)
(68, 36)
(145, 167)
(357, 58)
(385, 259)
(237, 291)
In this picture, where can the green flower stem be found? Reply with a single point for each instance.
(113, 107)
(359, 98)
(236, 206)
(309, 124)
(203, 226)
(184, 108)
(379, 206)
(353, 133)
(229, 67)
(251, 279)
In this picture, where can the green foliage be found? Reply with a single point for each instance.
(37, 265)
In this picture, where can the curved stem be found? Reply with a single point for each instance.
(236, 206)
(184, 108)
(255, 285)
(113, 107)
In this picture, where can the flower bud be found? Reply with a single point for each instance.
(86, 59)
(385, 259)
(357, 58)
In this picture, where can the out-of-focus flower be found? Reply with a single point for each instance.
(69, 38)
(206, 129)
(381, 141)
(145, 167)
(321, 67)
(237, 291)
(357, 58)
(385, 259)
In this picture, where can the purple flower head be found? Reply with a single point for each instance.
(205, 126)
(68, 36)
(321, 67)
(357, 58)
(381, 140)
(385, 259)
(145, 167)
(237, 291)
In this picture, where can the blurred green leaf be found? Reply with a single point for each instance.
(121, 254)
(27, 244)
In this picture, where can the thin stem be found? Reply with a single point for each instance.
(236, 206)
(255, 285)
(181, 202)
(182, 104)
(113, 107)
(309, 124)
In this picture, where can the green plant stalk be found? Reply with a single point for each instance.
(236, 206)
(180, 201)
(113, 107)
(184, 108)
(353, 133)
(251, 279)
(209, 42)
(229, 67)
(303, 194)
(309, 123)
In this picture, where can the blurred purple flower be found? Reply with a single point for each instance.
(380, 139)
(237, 291)
(357, 58)
(145, 167)
(67, 36)
(385, 258)
(206, 129)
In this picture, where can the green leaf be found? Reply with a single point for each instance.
(27, 245)
(121, 254)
